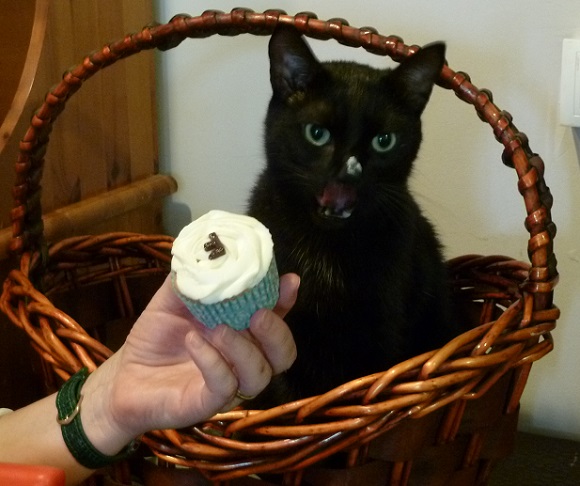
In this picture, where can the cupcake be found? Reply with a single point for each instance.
(223, 268)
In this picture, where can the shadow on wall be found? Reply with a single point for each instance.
(576, 137)
(177, 215)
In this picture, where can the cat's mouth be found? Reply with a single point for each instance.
(337, 200)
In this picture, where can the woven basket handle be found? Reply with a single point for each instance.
(27, 212)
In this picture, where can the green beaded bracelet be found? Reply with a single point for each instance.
(68, 404)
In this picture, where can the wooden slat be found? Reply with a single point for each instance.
(61, 182)
(140, 85)
(92, 132)
(103, 212)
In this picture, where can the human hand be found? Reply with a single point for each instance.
(173, 372)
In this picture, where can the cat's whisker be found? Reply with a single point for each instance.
(394, 203)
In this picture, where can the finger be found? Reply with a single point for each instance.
(289, 284)
(252, 369)
(274, 338)
(220, 382)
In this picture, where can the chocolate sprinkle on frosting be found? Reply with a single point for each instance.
(214, 246)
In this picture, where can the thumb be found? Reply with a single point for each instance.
(289, 284)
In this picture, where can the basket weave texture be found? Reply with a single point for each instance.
(443, 417)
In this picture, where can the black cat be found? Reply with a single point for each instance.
(340, 140)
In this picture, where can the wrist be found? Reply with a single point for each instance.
(85, 423)
(99, 416)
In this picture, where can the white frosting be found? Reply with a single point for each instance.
(249, 251)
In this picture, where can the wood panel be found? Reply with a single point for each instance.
(102, 151)
(102, 122)
(106, 136)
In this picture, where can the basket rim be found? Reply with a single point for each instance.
(27, 212)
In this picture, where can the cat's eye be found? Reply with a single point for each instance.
(383, 142)
(316, 134)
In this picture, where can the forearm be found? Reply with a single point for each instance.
(31, 435)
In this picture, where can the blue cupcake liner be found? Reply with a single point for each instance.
(236, 311)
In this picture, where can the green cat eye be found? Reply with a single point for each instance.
(316, 134)
(384, 142)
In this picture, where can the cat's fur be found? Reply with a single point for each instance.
(373, 284)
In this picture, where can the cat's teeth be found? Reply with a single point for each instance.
(344, 214)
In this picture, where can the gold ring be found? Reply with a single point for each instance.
(243, 397)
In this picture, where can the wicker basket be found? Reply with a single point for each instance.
(442, 418)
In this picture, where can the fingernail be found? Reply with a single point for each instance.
(261, 319)
(227, 333)
(195, 340)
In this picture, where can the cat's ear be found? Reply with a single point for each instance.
(416, 75)
(293, 66)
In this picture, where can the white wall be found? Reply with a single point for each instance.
(213, 94)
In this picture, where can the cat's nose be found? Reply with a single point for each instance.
(351, 171)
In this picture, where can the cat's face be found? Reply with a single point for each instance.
(341, 137)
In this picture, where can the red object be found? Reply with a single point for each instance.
(25, 475)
